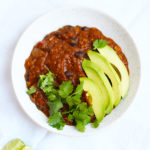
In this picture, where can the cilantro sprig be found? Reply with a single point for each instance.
(82, 115)
(99, 43)
(46, 84)
(65, 89)
(56, 121)
(78, 111)
(31, 90)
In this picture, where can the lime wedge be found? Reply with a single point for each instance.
(16, 144)
(27, 148)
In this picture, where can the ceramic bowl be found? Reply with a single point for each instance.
(53, 20)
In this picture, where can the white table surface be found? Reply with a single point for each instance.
(130, 132)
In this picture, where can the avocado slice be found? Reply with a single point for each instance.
(97, 100)
(106, 67)
(95, 73)
(114, 59)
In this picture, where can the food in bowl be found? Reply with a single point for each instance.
(76, 76)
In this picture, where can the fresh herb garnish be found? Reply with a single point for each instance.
(56, 121)
(55, 106)
(95, 123)
(65, 89)
(79, 89)
(78, 111)
(80, 126)
(70, 117)
(74, 98)
(31, 90)
(82, 115)
(99, 44)
(46, 83)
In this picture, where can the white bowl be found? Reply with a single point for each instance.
(51, 22)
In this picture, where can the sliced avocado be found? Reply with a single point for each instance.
(95, 73)
(106, 67)
(98, 103)
(114, 59)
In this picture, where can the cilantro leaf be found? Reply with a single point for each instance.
(87, 109)
(47, 89)
(99, 43)
(65, 89)
(69, 111)
(31, 90)
(80, 126)
(95, 124)
(55, 106)
(73, 100)
(81, 119)
(56, 121)
(79, 89)
(52, 97)
(69, 101)
(90, 111)
(82, 106)
(84, 117)
(70, 117)
(46, 82)
(76, 99)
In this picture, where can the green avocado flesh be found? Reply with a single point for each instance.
(114, 59)
(95, 73)
(106, 67)
(97, 100)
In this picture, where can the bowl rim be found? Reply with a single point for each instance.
(69, 7)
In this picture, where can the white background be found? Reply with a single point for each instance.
(130, 132)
